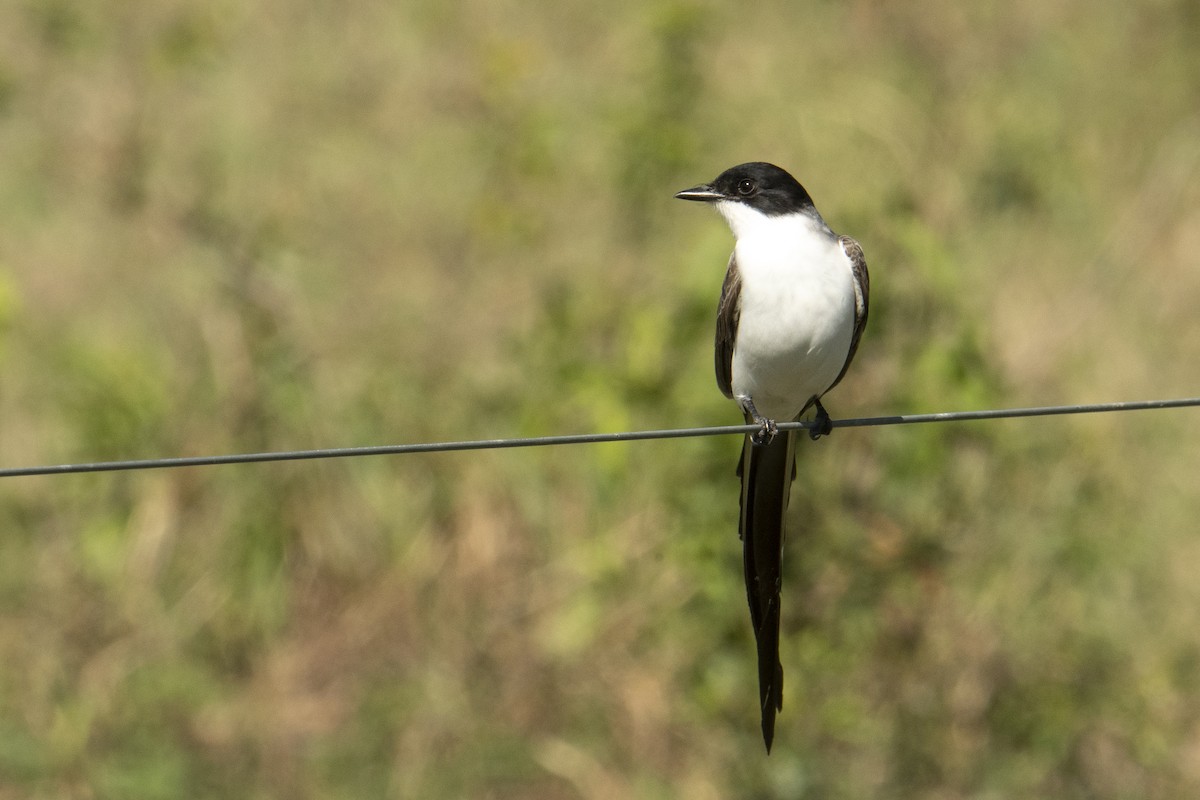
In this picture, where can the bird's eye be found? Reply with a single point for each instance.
(745, 187)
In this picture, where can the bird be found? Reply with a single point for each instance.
(792, 310)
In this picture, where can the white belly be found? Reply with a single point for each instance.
(796, 321)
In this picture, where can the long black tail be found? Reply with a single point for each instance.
(766, 472)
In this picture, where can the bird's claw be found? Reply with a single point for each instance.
(767, 427)
(822, 425)
(766, 431)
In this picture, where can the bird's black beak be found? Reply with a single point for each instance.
(704, 193)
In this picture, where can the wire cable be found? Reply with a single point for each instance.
(582, 438)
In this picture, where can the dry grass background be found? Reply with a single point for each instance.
(242, 226)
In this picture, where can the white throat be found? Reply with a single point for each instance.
(745, 221)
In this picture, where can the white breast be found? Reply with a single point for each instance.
(797, 310)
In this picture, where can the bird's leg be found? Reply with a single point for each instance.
(767, 428)
(822, 425)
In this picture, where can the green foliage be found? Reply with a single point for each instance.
(236, 227)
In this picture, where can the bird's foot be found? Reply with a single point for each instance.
(766, 431)
(766, 427)
(822, 425)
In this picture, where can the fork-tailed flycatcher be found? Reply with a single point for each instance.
(792, 309)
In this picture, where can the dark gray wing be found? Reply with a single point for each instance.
(729, 310)
(862, 294)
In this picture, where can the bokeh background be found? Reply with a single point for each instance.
(242, 226)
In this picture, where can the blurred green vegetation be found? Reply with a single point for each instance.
(232, 227)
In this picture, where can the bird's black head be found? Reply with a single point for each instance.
(764, 187)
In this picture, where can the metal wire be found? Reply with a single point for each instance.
(582, 438)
